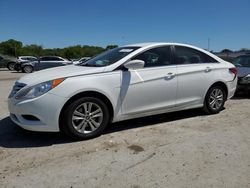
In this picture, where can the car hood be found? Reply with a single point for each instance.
(243, 71)
(58, 72)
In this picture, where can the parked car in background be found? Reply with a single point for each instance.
(23, 59)
(123, 83)
(7, 62)
(26, 58)
(243, 66)
(81, 60)
(44, 63)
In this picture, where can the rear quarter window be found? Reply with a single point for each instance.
(186, 55)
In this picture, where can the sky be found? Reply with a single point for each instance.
(61, 23)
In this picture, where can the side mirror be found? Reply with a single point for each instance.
(134, 64)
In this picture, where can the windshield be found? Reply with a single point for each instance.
(243, 61)
(109, 57)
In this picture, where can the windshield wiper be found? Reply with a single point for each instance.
(90, 65)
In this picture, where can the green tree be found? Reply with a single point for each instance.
(226, 51)
(244, 50)
(33, 50)
(15, 48)
(109, 47)
(11, 47)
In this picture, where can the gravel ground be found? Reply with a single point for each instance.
(183, 149)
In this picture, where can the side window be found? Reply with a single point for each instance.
(49, 59)
(59, 59)
(31, 59)
(160, 56)
(185, 55)
(55, 59)
(44, 58)
(248, 61)
(243, 61)
(1, 58)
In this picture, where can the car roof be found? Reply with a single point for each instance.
(26, 56)
(151, 44)
(51, 56)
(158, 44)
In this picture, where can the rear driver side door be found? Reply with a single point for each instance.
(196, 72)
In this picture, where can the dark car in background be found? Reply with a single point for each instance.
(7, 62)
(44, 63)
(243, 66)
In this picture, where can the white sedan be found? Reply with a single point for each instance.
(123, 83)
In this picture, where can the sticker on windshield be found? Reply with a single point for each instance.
(126, 50)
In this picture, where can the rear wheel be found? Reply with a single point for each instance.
(27, 69)
(85, 118)
(215, 100)
(11, 66)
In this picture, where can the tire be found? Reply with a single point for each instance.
(77, 122)
(248, 94)
(27, 69)
(214, 100)
(11, 66)
(17, 67)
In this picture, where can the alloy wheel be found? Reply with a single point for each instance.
(27, 69)
(11, 66)
(216, 99)
(87, 117)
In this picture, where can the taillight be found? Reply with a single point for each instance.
(233, 70)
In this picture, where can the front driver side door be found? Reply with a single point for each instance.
(151, 89)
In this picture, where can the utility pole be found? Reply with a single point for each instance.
(15, 50)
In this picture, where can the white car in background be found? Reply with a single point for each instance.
(123, 83)
(26, 58)
(23, 59)
(44, 62)
(81, 60)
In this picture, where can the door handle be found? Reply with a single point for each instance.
(208, 69)
(170, 75)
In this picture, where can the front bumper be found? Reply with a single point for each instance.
(243, 86)
(17, 66)
(46, 110)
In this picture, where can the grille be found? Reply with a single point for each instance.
(16, 88)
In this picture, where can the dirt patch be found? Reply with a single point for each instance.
(136, 148)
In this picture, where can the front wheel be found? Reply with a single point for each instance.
(85, 118)
(27, 69)
(11, 66)
(215, 100)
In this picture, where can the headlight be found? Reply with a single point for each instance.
(38, 90)
(246, 78)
